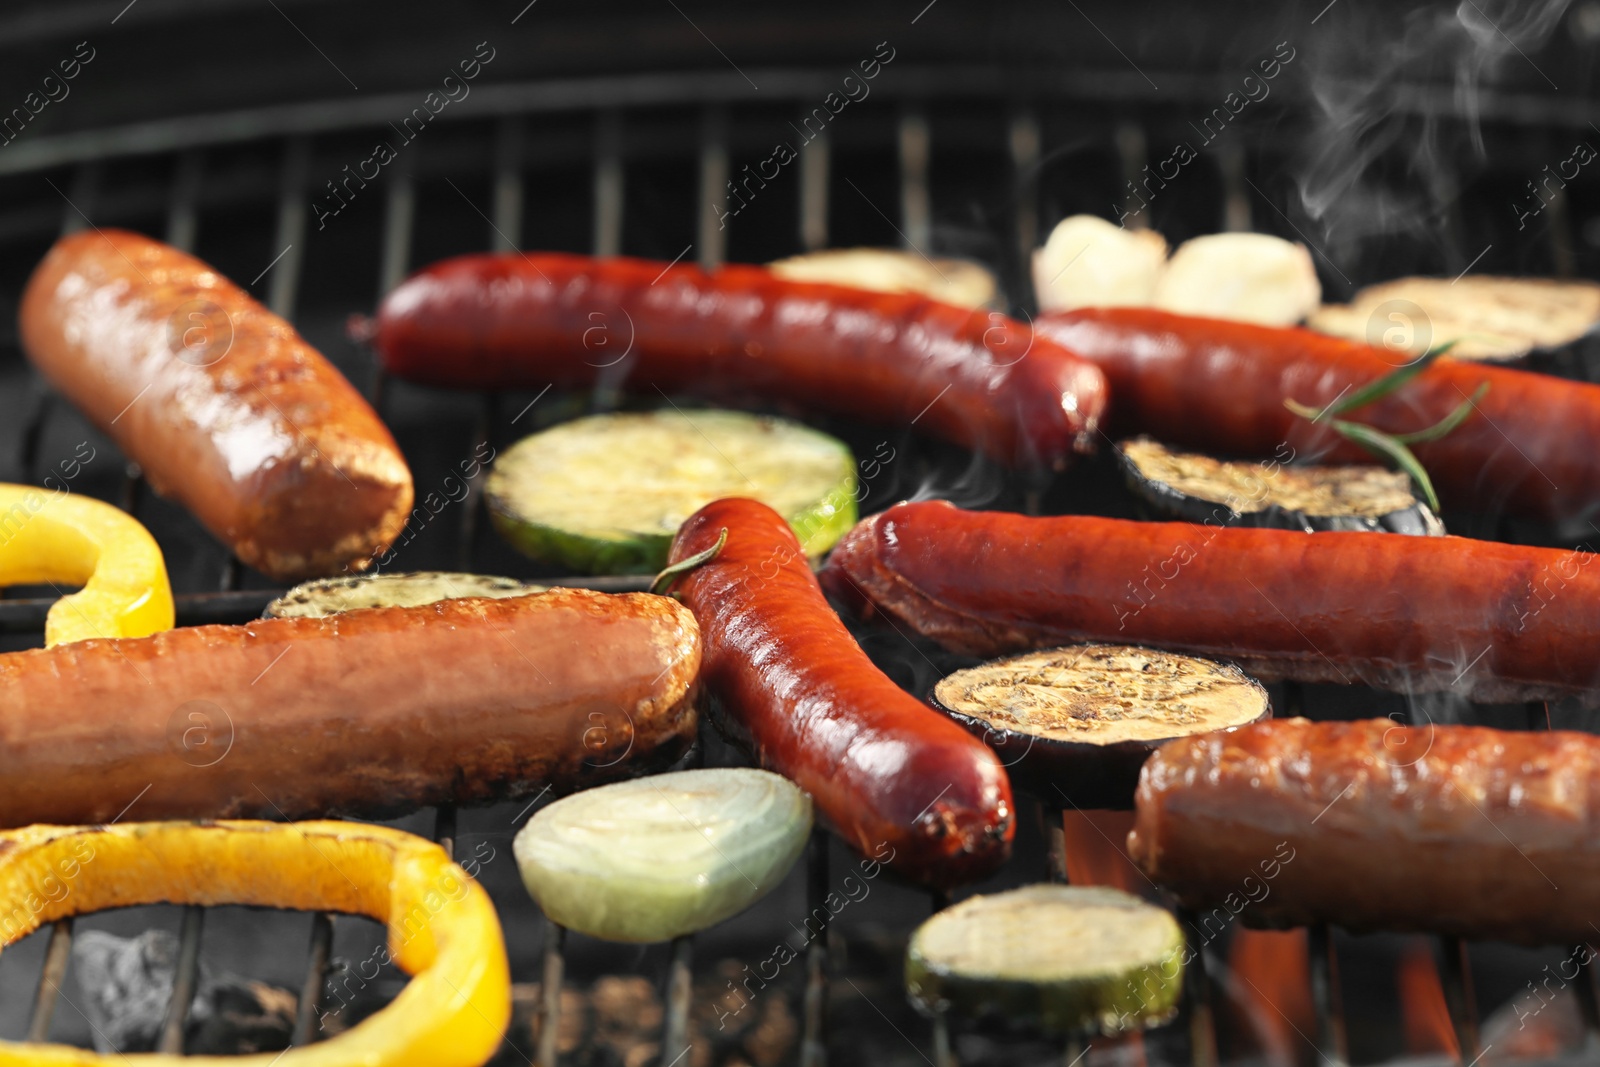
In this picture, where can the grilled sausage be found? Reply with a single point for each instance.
(369, 713)
(898, 781)
(1489, 621)
(1374, 826)
(1220, 386)
(225, 408)
(971, 376)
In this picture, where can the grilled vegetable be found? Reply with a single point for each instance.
(604, 495)
(330, 596)
(1088, 262)
(1065, 958)
(55, 536)
(1244, 277)
(654, 858)
(1074, 725)
(1496, 320)
(442, 928)
(889, 270)
(1198, 488)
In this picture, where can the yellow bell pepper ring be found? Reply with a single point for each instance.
(56, 536)
(442, 928)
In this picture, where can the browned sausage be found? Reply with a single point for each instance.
(1374, 826)
(368, 713)
(1492, 622)
(225, 408)
(897, 780)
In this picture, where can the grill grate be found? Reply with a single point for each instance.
(606, 106)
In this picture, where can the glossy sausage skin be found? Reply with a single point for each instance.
(224, 407)
(1220, 386)
(526, 321)
(1489, 621)
(794, 688)
(1459, 830)
(369, 713)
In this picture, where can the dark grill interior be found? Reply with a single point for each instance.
(954, 152)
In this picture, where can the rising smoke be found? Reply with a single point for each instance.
(1388, 143)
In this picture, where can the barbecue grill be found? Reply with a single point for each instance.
(983, 130)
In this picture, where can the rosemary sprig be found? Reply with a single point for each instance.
(1387, 445)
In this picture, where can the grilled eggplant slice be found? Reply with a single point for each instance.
(1067, 959)
(1074, 725)
(653, 858)
(1541, 323)
(329, 596)
(1199, 488)
(606, 494)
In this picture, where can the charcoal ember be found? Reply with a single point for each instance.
(127, 984)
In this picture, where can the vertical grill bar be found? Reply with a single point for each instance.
(813, 1040)
(444, 828)
(555, 938)
(1460, 997)
(916, 217)
(507, 236)
(309, 1007)
(943, 1054)
(680, 988)
(80, 198)
(1131, 151)
(1197, 997)
(1025, 152)
(1560, 230)
(183, 982)
(55, 969)
(713, 183)
(1325, 995)
(1588, 1004)
(815, 161)
(399, 212)
(1235, 204)
(183, 209)
(290, 242)
(608, 183)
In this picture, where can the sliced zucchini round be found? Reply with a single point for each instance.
(1067, 959)
(329, 596)
(653, 858)
(1198, 488)
(606, 494)
(1075, 724)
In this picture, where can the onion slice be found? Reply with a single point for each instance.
(653, 858)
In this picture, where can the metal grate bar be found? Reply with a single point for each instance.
(183, 210)
(507, 236)
(56, 956)
(1235, 201)
(555, 939)
(1197, 997)
(1132, 153)
(813, 1039)
(1331, 1043)
(290, 242)
(1025, 142)
(916, 213)
(184, 982)
(608, 179)
(399, 215)
(713, 240)
(80, 198)
(680, 990)
(308, 1009)
(1460, 997)
(816, 157)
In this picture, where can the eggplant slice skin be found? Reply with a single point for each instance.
(1075, 725)
(1065, 959)
(1198, 488)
